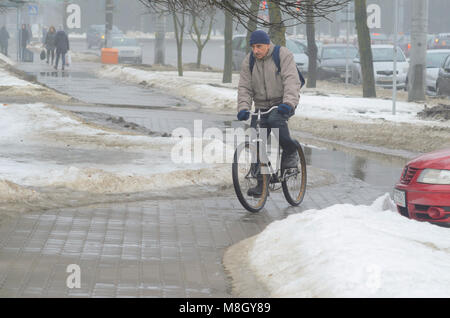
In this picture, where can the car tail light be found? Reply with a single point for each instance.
(408, 174)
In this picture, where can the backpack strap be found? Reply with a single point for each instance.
(276, 57)
(251, 62)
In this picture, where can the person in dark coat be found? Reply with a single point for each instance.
(62, 46)
(4, 38)
(50, 44)
(24, 40)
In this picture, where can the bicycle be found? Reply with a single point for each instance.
(245, 173)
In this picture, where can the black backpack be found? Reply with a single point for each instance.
(276, 59)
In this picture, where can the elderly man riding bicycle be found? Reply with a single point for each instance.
(267, 84)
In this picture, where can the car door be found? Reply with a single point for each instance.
(444, 83)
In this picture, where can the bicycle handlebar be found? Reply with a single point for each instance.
(263, 113)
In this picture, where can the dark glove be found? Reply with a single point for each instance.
(243, 114)
(285, 109)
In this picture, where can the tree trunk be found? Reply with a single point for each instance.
(365, 49)
(312, 47)
(179, 29)
(417, 67)
(198, 32)
(277, 31)
(251, 24)
(228, 37)
(160, 36)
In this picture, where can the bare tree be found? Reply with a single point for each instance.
(365, 49)
(206, 19)
(277, 30)
(178, 9)
(417, 69)
(292, 12)
(228, 37)
(312, 47)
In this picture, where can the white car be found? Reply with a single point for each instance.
(129, 50)
(383, 67)
(435, 59)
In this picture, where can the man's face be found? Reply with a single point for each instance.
(260, 50)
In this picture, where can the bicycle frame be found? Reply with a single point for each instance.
(262, 155)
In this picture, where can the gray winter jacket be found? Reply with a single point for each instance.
(50, 40)
(265, 86)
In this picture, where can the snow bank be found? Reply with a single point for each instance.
(352, 251)
(47, 147)
(11, 192)
(6, 60)
(207, 89)
(6, 79)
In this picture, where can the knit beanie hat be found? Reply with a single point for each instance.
(259, 37)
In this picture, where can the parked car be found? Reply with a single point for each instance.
(333, 59)
(95, 35)
(303, 46)
(129, 50)
(239, 46)
(423, 191)
(379, 38)
(441, 41)
(443, 80)
(435, 60)
(383, 67)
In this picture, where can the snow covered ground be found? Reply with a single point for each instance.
(87, 158)
(345, 251)
(207, 89)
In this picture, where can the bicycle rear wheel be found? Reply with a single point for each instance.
(245, 173)
(294, 181)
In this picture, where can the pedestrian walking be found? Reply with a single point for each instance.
(24, 39)
(62, 46)
(50, 44)
(4, 38)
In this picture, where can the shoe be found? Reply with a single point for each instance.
(256, 191)
(290, 161)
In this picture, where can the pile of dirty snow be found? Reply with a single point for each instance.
(345, 251)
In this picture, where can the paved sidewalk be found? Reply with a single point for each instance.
(168, 248)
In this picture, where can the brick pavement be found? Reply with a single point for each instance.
(166, 248)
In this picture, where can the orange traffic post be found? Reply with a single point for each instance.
(110, 56)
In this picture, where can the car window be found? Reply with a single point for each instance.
(387, 55)
(243, 44)
(293, 47)
(338, 52)
(447, 63)
(300, 47)
(435, 60)
(124, 42)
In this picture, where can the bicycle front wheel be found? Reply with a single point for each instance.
(246, 172)
(294, 180)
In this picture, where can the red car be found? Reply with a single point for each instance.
(423, 192)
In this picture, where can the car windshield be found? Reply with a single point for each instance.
(338, 53)
(293, 47)
(435, 60)
(386, 55)
(124, 42)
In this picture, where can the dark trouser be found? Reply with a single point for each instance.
(4, 49)
(22, 52)
(276, 120)
(52, 53)
(63, 57)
